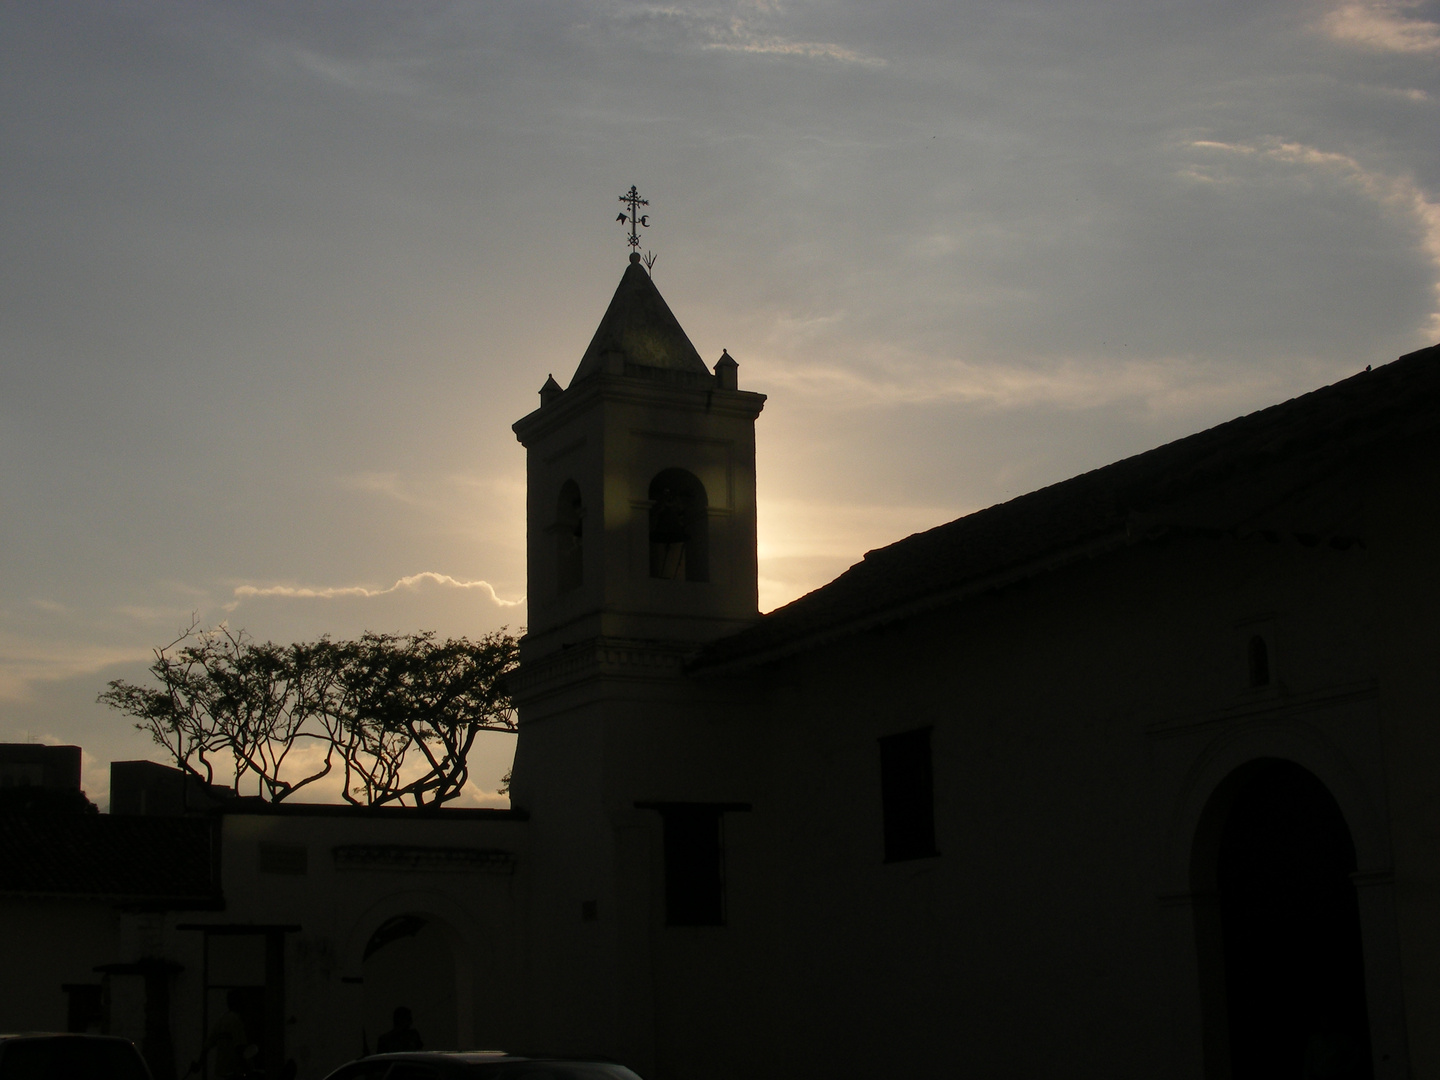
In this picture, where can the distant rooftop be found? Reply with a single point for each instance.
(39, 765)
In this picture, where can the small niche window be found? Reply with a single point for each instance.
(283, 859)
(679, 521)
(1258, 654)
(569, 538)
(907, 795)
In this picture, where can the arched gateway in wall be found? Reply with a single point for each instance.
(410, 963)
(1285, 864)
(414, 950)
(1275, 853)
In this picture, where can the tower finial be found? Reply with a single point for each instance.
(636, 219)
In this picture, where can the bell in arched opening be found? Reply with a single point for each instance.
(678, 527)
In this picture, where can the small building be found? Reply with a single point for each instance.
(82, 898)
(312, 922)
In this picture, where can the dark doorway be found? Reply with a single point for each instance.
(1294, 980)
(242, 973)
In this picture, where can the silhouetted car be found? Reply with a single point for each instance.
(476, 1065)
(43, 1056)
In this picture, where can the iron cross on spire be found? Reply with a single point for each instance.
(636, 219)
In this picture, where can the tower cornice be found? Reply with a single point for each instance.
(601, 657)
(586, 393)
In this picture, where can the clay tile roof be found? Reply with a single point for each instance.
(1225, 478)
(103, 855)
(639, 326)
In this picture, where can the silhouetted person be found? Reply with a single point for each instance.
(402, 1036)
(229, 1041)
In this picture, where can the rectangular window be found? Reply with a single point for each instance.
(694, 851)
(694, 866)
(907, 795)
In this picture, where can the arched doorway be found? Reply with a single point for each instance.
(1291, 993)
(409, 961)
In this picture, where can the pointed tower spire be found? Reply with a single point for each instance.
(640, 336)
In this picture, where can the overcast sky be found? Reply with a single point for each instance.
(278, 277)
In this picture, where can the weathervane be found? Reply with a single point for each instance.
(636, 219)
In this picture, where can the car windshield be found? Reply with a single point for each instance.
(42, 1059)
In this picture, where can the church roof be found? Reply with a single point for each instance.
(639, 327)
(1253, 475)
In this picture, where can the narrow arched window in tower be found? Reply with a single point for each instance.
(679, 527)
(1259, 654)
(569, 538)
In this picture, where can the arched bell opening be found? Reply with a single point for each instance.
(1277, 923)
(569, 531)
(679, 527)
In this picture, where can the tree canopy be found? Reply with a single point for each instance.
(397, 714)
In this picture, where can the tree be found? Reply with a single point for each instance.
(394, 701)
(397, 713)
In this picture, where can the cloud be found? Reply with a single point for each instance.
(25, 661)
(1382, 25)
(1160, 384)
(413, 581)
(447, 605)
(368, 75)
(386, 482)
(738, 37)
(149, 613)
(755, 28)
(804, 543)
(1408, 94)
(485, 507)
(807, 528)
(1398, 194)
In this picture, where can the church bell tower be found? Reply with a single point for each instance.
(641, 548)
(640, 489)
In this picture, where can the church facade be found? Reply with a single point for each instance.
(1130, 776)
